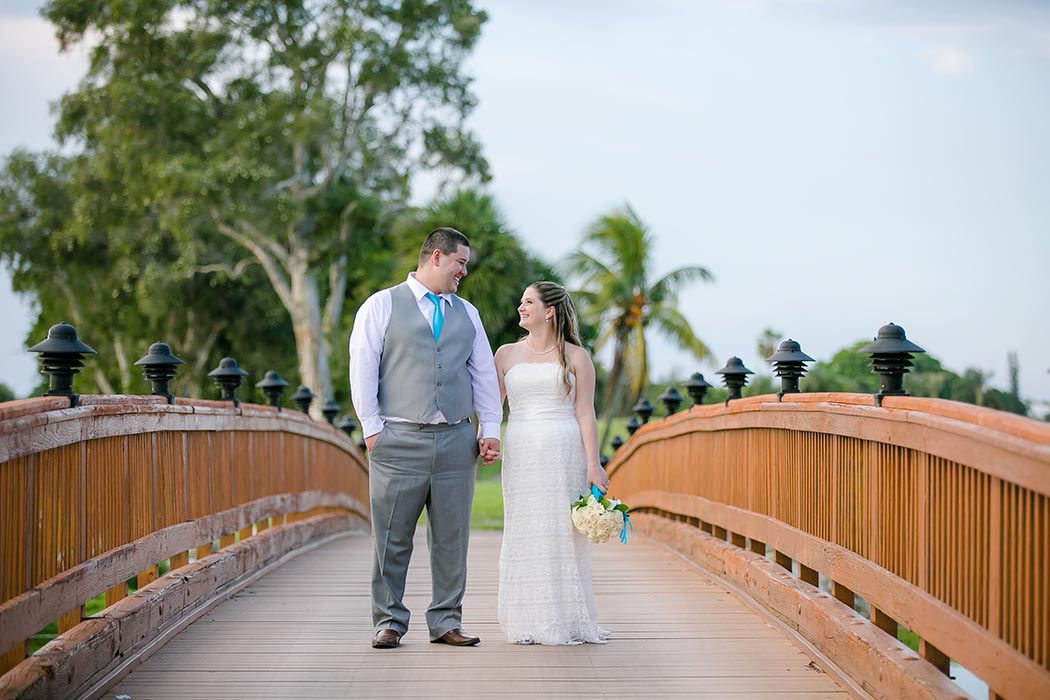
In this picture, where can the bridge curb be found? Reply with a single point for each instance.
(881, 665)
(92, 656)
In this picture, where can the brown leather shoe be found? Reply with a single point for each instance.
(386, 639)
(457, 638)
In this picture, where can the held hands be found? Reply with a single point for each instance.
(488, 448)
(597, 475)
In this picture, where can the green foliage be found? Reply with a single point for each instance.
(613, 269)
(122, 292)
(500, 268)
(761, 384)
(6, 393)
(849, 370)
(219, 136)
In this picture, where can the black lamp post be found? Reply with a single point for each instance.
(330, 410)
(734, 374)
(302, 398)
(227, 377)
(273, 387)
(671, 399)
(891, 354)
(61, 357)
(158, 367)
(644, 409)
(789, 363)
(696, 387)
(616, 443)
(347, 425)
(633, 425)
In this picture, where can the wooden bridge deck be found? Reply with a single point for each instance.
(304, 631)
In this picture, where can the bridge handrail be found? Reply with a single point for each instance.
(934, 512)
(94, 495)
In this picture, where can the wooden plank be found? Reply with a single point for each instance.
(675, 632)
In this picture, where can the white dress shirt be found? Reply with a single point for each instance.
(366, 347)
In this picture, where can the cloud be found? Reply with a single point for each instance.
(950, 61)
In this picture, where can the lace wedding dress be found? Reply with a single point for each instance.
(545, 594)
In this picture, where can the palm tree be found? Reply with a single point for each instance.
(613, 266)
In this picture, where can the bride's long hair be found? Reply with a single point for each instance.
(566, 327)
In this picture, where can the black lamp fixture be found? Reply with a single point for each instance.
(734, 374)
(644, 409)
(347, 425)
(61, 357)
(273, 387)
(330, 410)
(158, 367)
(891, 358)
(789, 363)
(228, 376)
(671, 400)
(696, 387)
(302, 398)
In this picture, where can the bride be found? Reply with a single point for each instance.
(550, 457)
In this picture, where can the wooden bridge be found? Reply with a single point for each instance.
(781, 549)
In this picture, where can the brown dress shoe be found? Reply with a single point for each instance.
(457, 638)
(386, 639)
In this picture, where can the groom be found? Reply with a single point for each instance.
(420, 365)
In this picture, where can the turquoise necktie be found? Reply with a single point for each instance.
(439, 314)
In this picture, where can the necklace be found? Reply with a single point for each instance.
(538, 352)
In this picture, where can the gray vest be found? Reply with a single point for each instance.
(417, 376)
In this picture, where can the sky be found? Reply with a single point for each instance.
(836, 165)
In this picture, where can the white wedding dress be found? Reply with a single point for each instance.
(545, 593)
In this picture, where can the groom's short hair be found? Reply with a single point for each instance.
(446, 239)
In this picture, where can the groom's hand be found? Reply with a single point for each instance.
(489, 450)
(370, 441)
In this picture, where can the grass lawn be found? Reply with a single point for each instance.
(488, 505)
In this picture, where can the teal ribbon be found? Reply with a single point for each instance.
(598, 493)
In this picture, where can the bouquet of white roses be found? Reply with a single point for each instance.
(599, 518)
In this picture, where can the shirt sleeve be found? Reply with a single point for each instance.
(483, 378)
(366, 348)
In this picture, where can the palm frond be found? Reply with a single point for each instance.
(667, 287)
(670, 322)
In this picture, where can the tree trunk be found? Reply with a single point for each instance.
(305, 311)
(614, 390)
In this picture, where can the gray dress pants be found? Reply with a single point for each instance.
(413, 466)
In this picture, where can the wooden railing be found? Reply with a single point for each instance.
(935, 513)
(94, 496)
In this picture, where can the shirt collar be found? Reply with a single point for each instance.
(421, 291)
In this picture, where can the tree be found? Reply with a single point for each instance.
(767, 342)
(272, 129)
(118, 288)
(500, 268)
(613, 267)
(6, 393)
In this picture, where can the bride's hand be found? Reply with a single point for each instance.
(597, 475)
